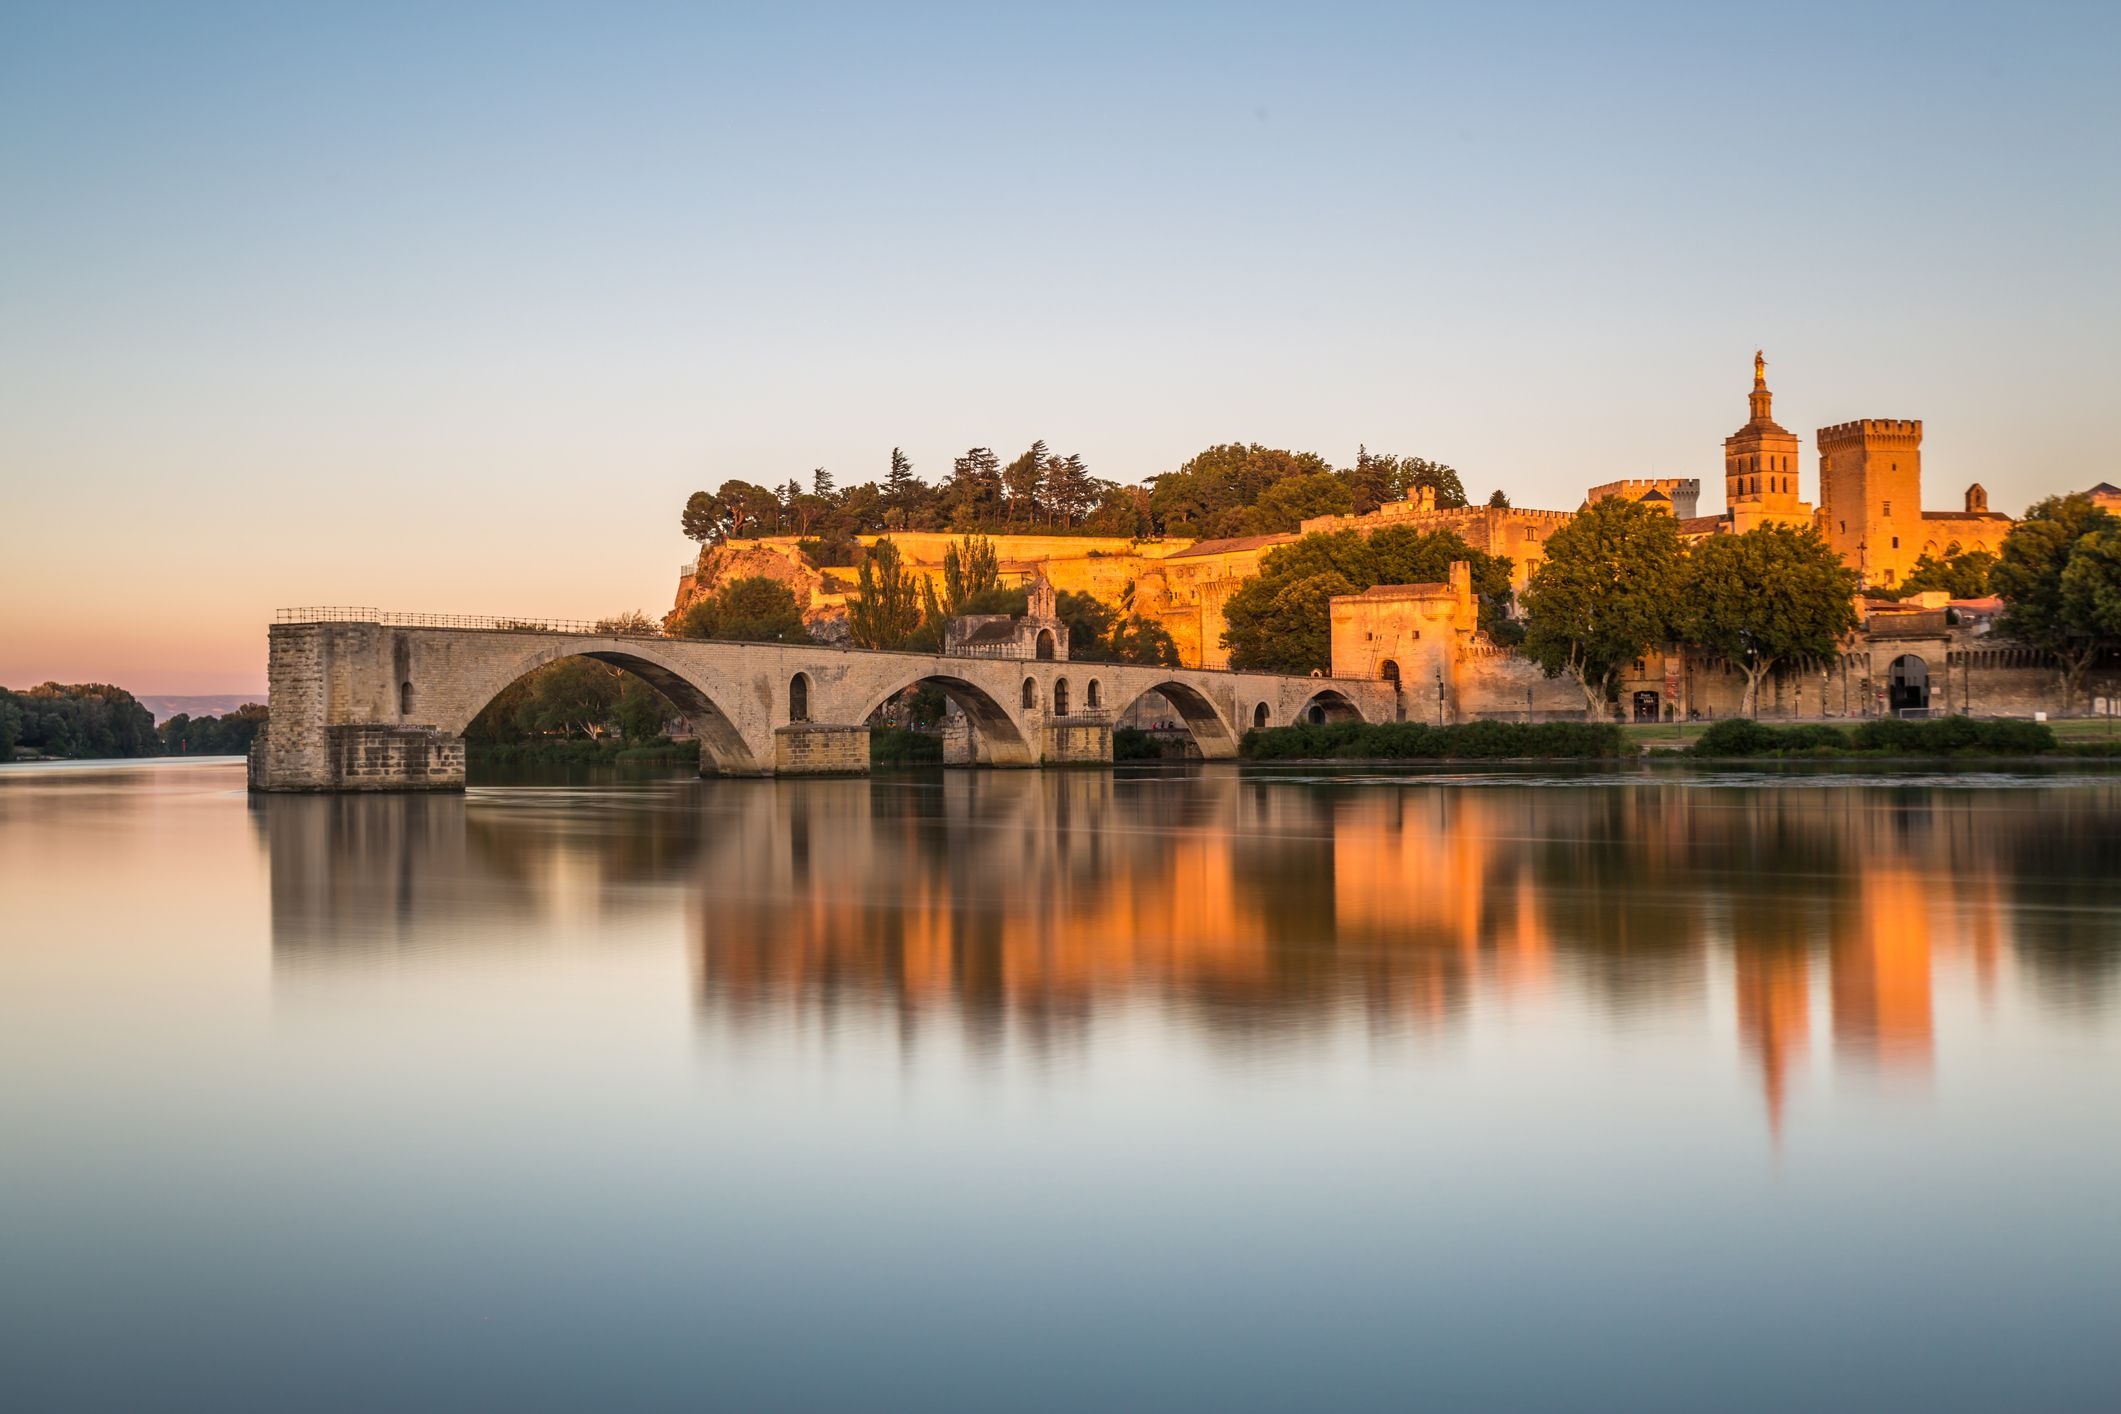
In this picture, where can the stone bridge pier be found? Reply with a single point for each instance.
(369, 702)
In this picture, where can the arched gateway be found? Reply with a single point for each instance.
(361, 700)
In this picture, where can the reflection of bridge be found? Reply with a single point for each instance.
(362, 702)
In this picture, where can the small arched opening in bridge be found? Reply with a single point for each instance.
(405, 698)
(1045, 645)
(1093, 695)
(1907, 686)
(1060, 697)
(799, 698)
(1260, 716)
(556, 693)
(989, 735)
(1211, 735)
(1030, 692)
(1329, 706)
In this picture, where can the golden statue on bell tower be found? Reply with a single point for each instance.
(1759, 370)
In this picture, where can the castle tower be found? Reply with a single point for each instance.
(1760, 465)
(1870, 496)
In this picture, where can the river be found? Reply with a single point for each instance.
(1209, 1088)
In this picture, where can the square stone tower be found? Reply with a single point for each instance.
(1870, 496)
(1760, 466)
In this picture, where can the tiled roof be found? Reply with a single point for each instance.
(1700, 525)
(1964, 515)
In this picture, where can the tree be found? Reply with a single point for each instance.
(974, 492)
(1022, 480)
(1370, 481)
(2039, 609)
(1213, 492)
(821, 483)
(1136, 638)
(1498, 499)
(1963, 574)
(754, 609)
(641, 710)
(969, 566)
(2091, 585)
(887, 609)
(1604, 595)
(1764, 597)
(1417, 472)
(902, 489)
(1068, 488)
(703, 517)
(1289, 630)
(1288, 503)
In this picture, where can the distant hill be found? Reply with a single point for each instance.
(164, 706)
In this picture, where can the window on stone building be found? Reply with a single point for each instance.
(1896, 542)
(404, 698)
(1030, 693)
(1060, 698)
(1888, 508)
(799, 698)
(1093, 696)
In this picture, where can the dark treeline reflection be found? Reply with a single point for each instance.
(1021, 904)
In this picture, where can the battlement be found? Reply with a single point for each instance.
(1682, 492)
(1876, 431)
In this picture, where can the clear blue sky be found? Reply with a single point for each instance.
(449, 306)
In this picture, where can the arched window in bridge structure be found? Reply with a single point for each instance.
(1390, 672)
(1259, 715)
(1060, 698)
(799, 698)
(1031, 692)
(1045, 645)
(1092, 697)
(404, 698)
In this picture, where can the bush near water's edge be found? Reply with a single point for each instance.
(1410, 741)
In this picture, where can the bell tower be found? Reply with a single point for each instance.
(1760, 465)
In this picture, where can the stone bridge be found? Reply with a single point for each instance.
(381, 703)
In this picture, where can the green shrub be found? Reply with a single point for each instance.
(2003, 736)
(1741, 736)
(895, 746)
(1409, 741)
(1132, 744)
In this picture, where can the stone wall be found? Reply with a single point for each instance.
(807, 749)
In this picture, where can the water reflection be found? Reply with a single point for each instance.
(1260, 914)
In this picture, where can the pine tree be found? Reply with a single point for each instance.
(821, 483)
(1069, 489)
(902, 489)
(1023, 479)
(975, 491)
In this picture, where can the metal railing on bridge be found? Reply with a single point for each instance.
(357, 614)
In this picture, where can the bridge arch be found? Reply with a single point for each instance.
(1214, 736)
(723, 743)
(1328, 705)
(1001, 735)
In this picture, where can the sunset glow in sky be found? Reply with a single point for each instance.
(448, 307)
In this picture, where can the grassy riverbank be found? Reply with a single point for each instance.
(1888, 737)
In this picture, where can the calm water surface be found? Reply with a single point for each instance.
(1023, 1090)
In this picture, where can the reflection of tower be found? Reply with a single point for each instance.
(1760, 465)
(1881, 973)
(1774, 1016)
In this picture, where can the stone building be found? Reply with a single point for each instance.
(1038, 636)
(1870, 502)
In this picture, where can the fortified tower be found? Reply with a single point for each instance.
(1760, 466)
(1870, 496)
